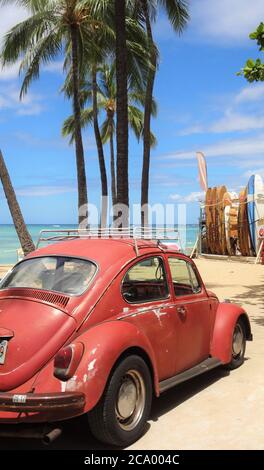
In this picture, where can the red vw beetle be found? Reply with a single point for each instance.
(97, 326)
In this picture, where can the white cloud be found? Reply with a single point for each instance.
(9, 72)
(233, 121)
(31, 105)
(259, 171)
(10, 16)
(244, 113)
(176, 197)
(44, 191)
(226, 21)
(195, 196)
(230, 122)
(195, 129)
(54, 67)
(250, 93)
(239, 148)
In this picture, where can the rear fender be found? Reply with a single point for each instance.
(104, 344)
(226, 317)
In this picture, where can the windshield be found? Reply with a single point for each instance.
(67, 275)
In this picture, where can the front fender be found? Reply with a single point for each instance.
(104, 344)
(226, 317)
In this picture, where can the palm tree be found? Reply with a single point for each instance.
(52, 27)
(88, 91)
(106, 101)
(122, 110)
(21, 228)
(100, 148)
(177, 12)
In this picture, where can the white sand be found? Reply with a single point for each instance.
(3, 270)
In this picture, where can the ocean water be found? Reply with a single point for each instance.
(9, 242)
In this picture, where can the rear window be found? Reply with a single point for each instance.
(70, 276)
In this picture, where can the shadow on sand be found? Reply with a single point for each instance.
(252, 296)
(76, 434)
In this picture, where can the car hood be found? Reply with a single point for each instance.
(34, 332)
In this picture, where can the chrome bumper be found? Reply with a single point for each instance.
(34, 402)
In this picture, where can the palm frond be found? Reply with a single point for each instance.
(68, 128)
(177, 12)
(33, 5)
(43, 52)
(138, 97)
(107, 128)
(153, 140)
(136, 120)
(138, 54)
(26, 35)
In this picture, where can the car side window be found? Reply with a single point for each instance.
(184, 278)
(146, 281)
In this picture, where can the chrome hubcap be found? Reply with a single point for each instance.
(238, 340)
(130, 402)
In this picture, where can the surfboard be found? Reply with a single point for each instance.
(221, 214)
(233, 228)
(218, 247)
(231, 221)
(226, 213)
(208, 219)
(213, 220)
(251, 211)
(259, 208)
(243, 226)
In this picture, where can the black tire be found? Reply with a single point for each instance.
(238, 347)
(129, 384)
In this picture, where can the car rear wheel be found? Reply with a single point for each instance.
(238, 346)
(120, 417)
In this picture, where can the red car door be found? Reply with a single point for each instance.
(191, 314)
(148, 303)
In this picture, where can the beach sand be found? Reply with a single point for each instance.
(218, 410)
(4, 270)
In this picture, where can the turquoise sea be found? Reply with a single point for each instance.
(9, 242)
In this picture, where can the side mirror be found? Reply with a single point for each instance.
(197, 290)
(128, 296)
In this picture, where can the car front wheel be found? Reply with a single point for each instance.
(120, 417)
(238, 346)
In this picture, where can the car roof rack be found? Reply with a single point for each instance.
(136, 233)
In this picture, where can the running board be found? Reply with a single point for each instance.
(204, 366)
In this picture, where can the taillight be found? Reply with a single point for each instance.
(67, 360)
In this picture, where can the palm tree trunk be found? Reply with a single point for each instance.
(21, 229)
(121, 109)
(113, 169)
(147, 123)
(100, 150)
(82, 185)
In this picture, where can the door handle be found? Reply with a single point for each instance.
(181, 310)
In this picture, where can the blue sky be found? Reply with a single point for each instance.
(202, 104)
